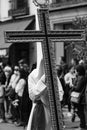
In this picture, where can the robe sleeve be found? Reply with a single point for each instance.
(36, 88)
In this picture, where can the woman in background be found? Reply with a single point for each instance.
(80, 87)
(8, 72)
(22, 99)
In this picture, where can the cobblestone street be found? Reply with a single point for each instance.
(69, 125)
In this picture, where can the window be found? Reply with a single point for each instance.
(18, 4)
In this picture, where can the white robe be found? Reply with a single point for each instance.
(38, 91)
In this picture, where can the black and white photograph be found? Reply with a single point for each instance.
(43, 64)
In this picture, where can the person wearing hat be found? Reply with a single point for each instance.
(36, 122)
(40, 118)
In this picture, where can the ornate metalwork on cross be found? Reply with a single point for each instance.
(46, 36)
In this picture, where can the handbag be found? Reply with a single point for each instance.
(76, 96)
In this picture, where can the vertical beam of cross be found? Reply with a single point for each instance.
(50, 71)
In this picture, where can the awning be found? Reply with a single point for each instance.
(15, 25)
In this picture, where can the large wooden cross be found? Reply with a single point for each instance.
(46, 36)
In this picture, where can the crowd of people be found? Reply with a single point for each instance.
(73, 78)
(24, 97)
(15, 104)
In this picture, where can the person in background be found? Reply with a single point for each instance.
(60, 74)
(74, 62)
(10, 91)
(14, 77)
(22, 99)
(24, 66)
(86, 94)
(21, 63)
(2, 65)
(69, 82)
(8, 72)
(63, 64)
(70, 76)
(2, 95)
(79, 87)
(26, 69)
(82, 62)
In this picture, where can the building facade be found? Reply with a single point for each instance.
(22, 15)
(16, 15)
(62, 14)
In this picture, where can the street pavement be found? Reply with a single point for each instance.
(69, 125)
(8, 126)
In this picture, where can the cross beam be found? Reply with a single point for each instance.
(39, 36)
(46, 36)
(45, 32)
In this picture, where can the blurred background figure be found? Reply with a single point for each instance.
(74, 62)
(63, 64)
(21, 63)
(10, 91)
(8, 72)
(2, 94)
(22, 98)
(1, 64)
(81, 87)
(24, 66)
(69, 83)
(81, 62)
